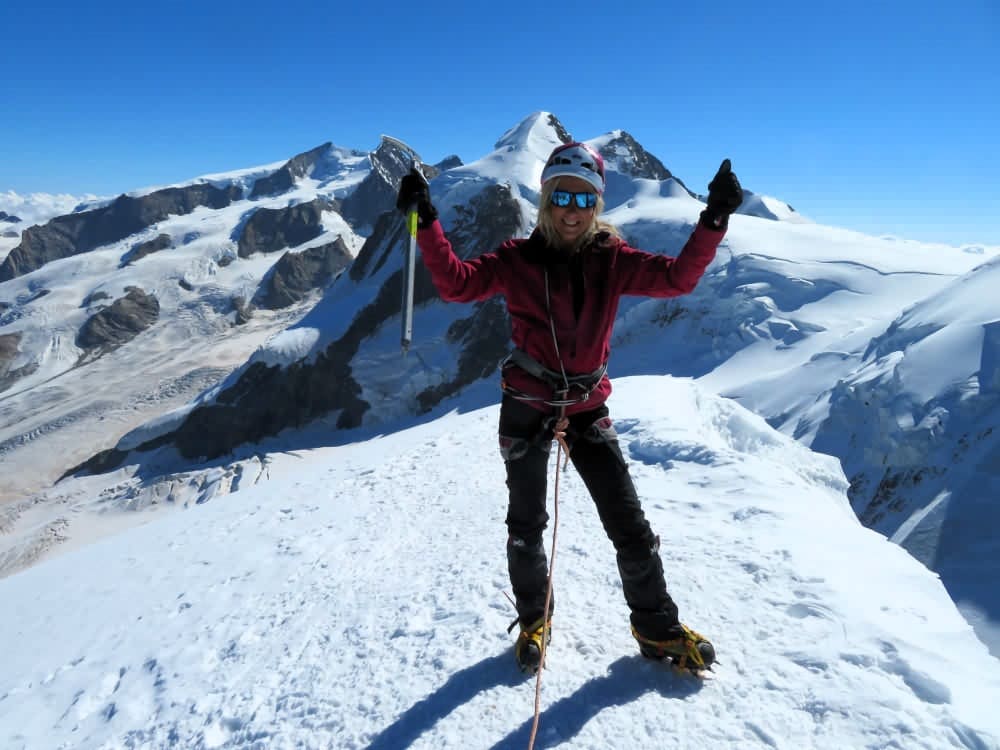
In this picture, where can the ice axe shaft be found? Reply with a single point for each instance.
(409, 270)
(410, 259)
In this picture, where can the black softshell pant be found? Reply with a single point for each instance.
(525, 442)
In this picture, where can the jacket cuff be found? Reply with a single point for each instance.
(712, 222)
(431, 231)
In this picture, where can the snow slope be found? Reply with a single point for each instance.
(352, 598)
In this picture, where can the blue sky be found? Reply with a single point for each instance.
(876, 116)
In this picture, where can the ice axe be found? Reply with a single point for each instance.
(410, 261)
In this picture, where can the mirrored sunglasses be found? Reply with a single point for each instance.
(563, 198)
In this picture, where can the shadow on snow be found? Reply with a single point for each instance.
(628, 679)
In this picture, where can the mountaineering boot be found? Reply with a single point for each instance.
(528, 648)
(684, 647)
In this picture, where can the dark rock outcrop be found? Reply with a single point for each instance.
(296, 395)
(298, 273)
(243, 309)
(284, 178)
(118, 324)
(6, 217)
(9, 343)
(378, 248)
(271, 229)
(94, 297)
(8, 350)
(142, 249)
(76, 233)
(556, 124)
(484, 340)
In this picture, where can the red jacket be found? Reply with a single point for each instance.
(584, 291)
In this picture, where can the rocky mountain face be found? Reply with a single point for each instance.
(628, 158)
(141, 249)
(271, 229)
(296, 274)
(378, 190)
(9, 343)
(69, 235)
(282, 180)
(118, 323)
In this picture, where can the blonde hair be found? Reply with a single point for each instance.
(548, 228)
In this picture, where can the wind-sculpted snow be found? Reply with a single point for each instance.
(352, 598)
(766, 207)
(923, 419)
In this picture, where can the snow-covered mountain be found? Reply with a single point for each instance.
(115, 312)
(354, 599)
(844, 341)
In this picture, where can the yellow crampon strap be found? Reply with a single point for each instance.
(691, 656)
(538, 633)
(411, 222)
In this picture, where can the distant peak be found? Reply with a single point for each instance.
(301, 164)
(449, 162)
(625, 154)
(539, 132)
(393, 157)
(389, 146)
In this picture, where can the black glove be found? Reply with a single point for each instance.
(413, 191)
(724, 196)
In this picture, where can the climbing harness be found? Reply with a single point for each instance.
(562, 384)
(584, 384)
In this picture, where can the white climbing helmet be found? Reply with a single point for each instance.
(576, 160)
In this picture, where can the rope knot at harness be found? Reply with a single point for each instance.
(559, 434)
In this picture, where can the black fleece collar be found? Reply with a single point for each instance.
(537, 250)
